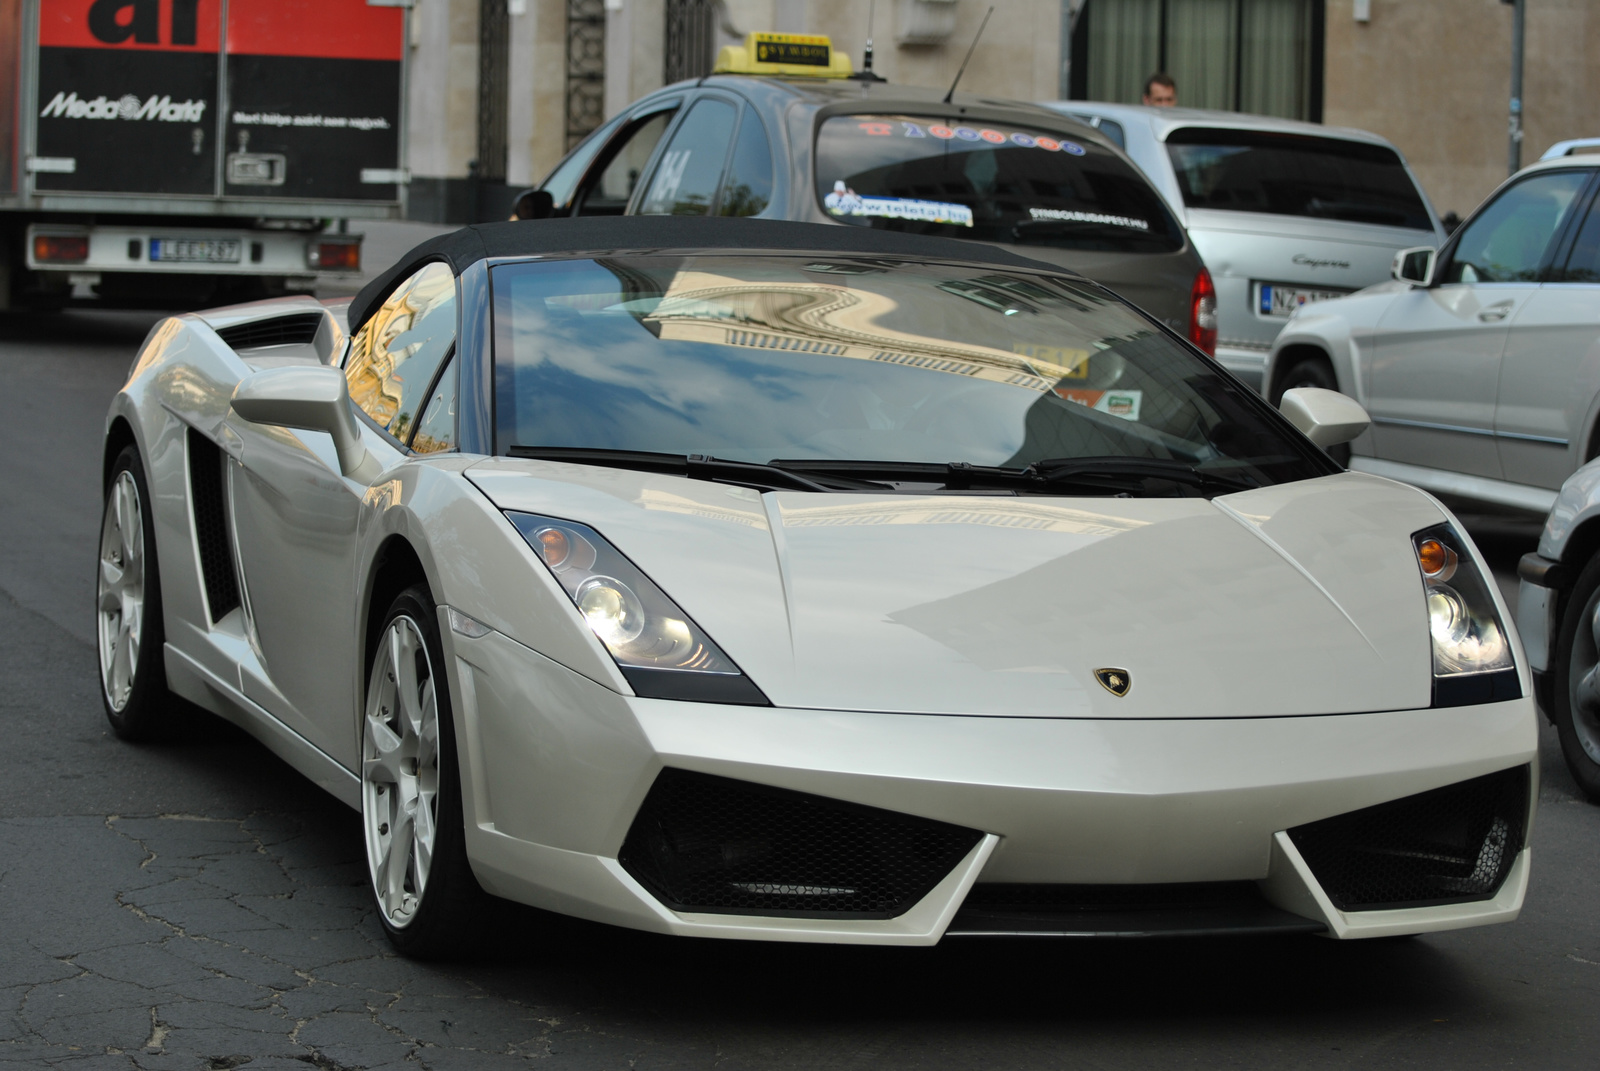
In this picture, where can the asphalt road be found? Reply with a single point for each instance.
(198, 905)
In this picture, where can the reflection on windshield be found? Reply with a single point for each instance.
(755, 359)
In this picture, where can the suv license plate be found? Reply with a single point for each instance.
(1282, 301)
(196, 250)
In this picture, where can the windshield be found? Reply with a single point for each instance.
(759, 358)
(994, 184)
(1295, 175)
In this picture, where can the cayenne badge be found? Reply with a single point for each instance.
(1115, 681)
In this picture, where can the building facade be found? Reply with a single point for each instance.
(500, 89)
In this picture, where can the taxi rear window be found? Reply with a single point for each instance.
(1295, 175)
(989, 183)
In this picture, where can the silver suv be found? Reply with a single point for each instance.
(1283, 213)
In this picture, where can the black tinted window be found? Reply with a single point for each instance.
(993, 184)
(686, 179)
(609, 193)
(1295, 175)
(1509, 241)
(748, 188)
(1583, 264)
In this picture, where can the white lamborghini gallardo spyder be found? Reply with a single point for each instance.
(768, 580)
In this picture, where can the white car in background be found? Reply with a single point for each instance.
(1283, 213)
(1480, 366)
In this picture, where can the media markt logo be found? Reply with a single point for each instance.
(153, 108)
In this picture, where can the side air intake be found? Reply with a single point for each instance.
(1452, 845)
(297, 329)
(705, 843)
(209, 497)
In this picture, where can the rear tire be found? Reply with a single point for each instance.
(411, 812)
(1575, 709)
(1312, 372)
(129, 633)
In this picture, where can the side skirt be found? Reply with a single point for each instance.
(199, 685)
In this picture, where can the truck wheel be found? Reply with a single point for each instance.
(1576, 710)
(133, 677)
(1311, 372)
(422, 883)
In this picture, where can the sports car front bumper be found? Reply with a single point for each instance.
(557, 768)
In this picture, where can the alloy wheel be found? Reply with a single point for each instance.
(120, 602)
(400, 771)
(1584, 679)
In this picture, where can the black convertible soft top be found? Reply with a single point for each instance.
(597, 234)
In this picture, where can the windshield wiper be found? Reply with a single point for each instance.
(959, 476)
(1075, 469)
(694, 466)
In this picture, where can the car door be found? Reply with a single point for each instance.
(1550, 374)
(688, 173)
(296, 516)
(1434, 375)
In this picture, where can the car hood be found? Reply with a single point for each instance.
(1302, 598)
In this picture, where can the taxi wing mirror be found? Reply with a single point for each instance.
(309, 399)
(1414, 265)
(1326, 417)
(533, 204)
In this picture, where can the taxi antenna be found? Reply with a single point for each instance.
(866, 74)
(970, 51)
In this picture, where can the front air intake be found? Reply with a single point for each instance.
(1453, 845)
(712, 844)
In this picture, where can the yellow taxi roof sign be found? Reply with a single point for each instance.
(807, 55)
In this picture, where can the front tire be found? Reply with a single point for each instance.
(133, 677)
(1312, 372)
(411, 812)
(1576, 682)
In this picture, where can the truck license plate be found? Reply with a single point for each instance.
(196, 250)
(1282, 301)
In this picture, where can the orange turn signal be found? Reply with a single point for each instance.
(1435, 558)
(554, 546)
(336, 256)
(60, 248)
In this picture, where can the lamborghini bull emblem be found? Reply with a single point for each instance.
(1115, 681)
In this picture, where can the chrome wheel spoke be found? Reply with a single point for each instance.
(400, 771)
(1594, 626)
(120, 594)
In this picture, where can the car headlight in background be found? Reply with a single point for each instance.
(660, 650)
(1472, 660)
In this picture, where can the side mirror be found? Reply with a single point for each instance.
(1326, 417)
(310, 399)
(1414, 265)
(533, 204)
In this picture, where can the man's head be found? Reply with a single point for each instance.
(1160, 91)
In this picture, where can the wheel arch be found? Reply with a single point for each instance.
(395, 567)
(1291, 355)
(119, 435)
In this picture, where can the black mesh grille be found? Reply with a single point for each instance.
(300, 328)
(704, 843)
(1165, 910)
(209, 496)
(1451, 845)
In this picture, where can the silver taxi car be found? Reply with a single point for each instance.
(1283, 213)
(809, 141)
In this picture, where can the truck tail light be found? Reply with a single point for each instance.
(1203, 313)
(330, 254)
(60, 248)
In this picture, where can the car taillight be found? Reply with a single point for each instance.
(1203, 313)
(60, 248)
(329, 255)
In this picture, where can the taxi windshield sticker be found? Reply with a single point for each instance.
(844, 201)
(1117, 403)
(880, 128)
(1074, 216)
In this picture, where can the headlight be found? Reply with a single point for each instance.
(1471, 652)
(658, 647)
